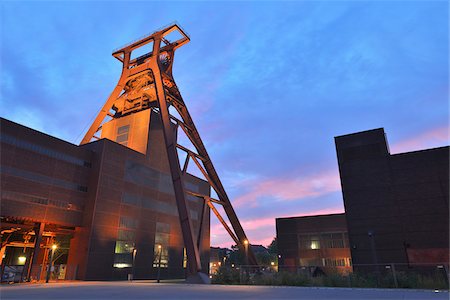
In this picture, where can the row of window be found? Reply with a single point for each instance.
(148, 177)
(161, 250)
(155, 205)
(122, 135)
(7, 139)
(326, 262)
(43, 179)
(125, 245)
(324, 240)
(145, 176)
(8, 195)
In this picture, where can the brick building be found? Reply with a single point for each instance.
(110, 210)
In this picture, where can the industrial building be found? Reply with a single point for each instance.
(106, 207)
(396, 211)
(313, 243)
(122, 204)
(396, 205)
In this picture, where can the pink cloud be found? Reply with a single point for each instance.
(285, 189)
(261, 231)
(429, 139)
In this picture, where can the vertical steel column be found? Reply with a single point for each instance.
(171, 147)
(38, 231)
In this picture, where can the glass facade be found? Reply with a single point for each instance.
(7, 139)
(125, 244)
(32, 176)
(152, 204)
(8, 195)
(161, 250)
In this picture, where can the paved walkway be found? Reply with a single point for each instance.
(149, 290)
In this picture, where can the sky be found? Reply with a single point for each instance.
(268, 84)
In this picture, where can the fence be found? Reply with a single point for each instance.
(422, 276)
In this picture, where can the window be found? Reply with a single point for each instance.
(128, 198)
(323, 240)
(311, 262)
(125, 246)
(11, 140)
(149, 203)
(161, 251)
(36, 177)
(126, 235)
(162, 227)
(126, 222)
(184, 258)
(122, 135)
(333, 240)
(336, 262)
(315, 245)
(161, 256)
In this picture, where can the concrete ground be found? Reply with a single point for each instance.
(150, 290)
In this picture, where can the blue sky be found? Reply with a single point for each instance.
(269, 84)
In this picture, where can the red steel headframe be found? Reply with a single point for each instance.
(158, 66)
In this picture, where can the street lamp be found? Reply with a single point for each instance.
(50, 265)
(132, 266)
(159, 264)
(246, 251)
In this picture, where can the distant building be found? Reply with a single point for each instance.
(396, 211)
(397, 206)
(218, 257)
(313, 243)
(111, 210)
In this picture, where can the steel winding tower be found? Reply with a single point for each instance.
(146, 82)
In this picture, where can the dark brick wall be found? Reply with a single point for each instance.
(288, 230)
(394, 203)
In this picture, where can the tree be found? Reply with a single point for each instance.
(273, 247)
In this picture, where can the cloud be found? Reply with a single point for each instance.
(287, 189)
(435, 137)
(261, 231)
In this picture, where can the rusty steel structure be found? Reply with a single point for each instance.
(147, 82)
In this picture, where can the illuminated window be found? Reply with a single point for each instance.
(124, 247)
(161, 249)
(123, 253)
(323, 240)
(184, 258)
(161, 255)
(315, 245)
(315, 242)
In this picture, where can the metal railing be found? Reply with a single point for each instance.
(420, 276)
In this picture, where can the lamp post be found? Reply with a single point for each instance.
(246, 252)
(50, 265)
(159, 264)
(132, 266)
